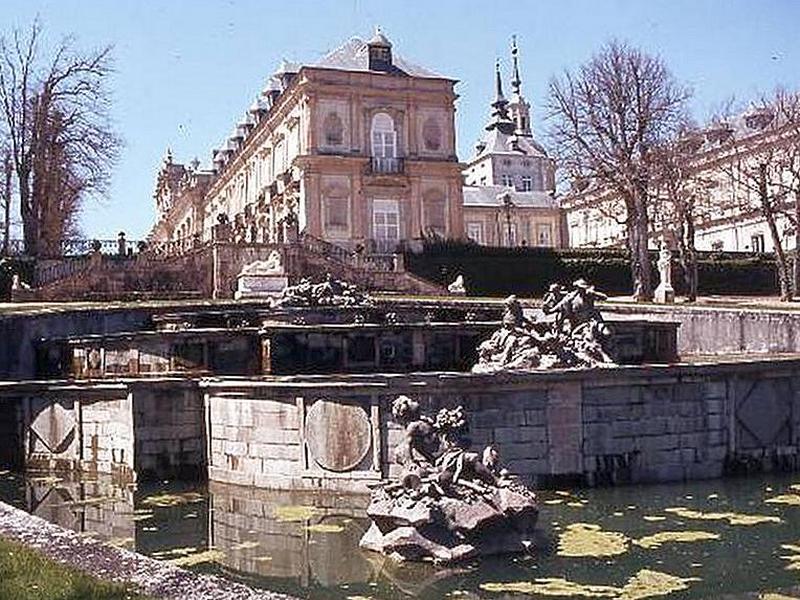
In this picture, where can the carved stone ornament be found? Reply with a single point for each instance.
(338, 434)
(329, 292)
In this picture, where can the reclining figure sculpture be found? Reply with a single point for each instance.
(577, 336)
(448, 503)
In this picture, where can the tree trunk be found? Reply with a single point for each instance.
(638, 225)
(691, 259)
(784, 276)
(30, 221)
(7, 204)
(796, 265)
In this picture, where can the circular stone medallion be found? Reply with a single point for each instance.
(338, 434)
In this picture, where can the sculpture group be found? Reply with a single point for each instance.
(448, 503)
(330, 292)
(571, 334)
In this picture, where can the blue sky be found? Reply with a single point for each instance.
(187, 69)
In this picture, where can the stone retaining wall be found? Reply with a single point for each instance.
(626, 424)
(718, 330)
(630, 424)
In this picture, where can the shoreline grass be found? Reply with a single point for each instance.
(26, 574)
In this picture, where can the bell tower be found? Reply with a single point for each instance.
(519, 108)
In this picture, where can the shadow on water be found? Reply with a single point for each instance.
(307, 544)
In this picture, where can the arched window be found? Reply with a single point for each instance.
(432, 134)
(334, 130)
(384, 136)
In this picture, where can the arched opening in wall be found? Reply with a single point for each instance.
(434, 213)
(333, 129)
(384, 143)
(432, 135)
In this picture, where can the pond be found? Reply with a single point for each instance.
(735, 537)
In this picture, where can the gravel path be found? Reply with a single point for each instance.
(149, 576)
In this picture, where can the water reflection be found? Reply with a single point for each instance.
(307, 544)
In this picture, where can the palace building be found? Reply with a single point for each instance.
(728, 213)
(357, 149)
(509, 196)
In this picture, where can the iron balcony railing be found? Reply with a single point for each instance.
(382, 165)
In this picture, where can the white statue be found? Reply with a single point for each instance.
(665, 293)
(458, 288)
(272, 266)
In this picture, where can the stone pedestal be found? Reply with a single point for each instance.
(262, 278)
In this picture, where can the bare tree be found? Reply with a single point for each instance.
(764, 175)
(606, 119)
(55, 117)
(7, 174)
(682, 188)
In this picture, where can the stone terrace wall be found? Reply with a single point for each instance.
(150, 429)
(626, 424)
(169, 426)
(18, 333)
(630, 424)
(716, 330)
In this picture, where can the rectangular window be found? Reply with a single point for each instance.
(386, 224)
(435, 216)
(544, 234)
(475, 232)
(757, 242)
(336, 212)
(527, 183)
(507, 180)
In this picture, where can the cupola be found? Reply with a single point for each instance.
(380, 52)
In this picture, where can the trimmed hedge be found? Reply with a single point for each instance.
(493, 271)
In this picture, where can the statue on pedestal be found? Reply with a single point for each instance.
(665, 293)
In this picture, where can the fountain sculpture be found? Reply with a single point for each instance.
(576, 336)
(449, 503)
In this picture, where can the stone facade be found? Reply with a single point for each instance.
(509, 196)
(628, 424)
(357, 149)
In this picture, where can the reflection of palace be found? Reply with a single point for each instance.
(359, 149)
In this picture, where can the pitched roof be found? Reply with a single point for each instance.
(491, 196)
(497, 142)
(353, 56)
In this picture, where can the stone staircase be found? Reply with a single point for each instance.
(209, 271)
(376, 272)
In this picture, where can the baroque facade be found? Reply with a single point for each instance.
(357, 149)
(728, 214)
(510, 180)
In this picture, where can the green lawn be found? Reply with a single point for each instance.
(27, 575)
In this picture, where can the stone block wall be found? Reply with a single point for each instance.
(609, 426)
(720, 330)
(169, 426)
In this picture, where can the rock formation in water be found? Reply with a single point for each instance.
(576, 337)
(449, 503)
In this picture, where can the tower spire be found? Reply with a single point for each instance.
(500, 119)
(498, 95)
(516, 81)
